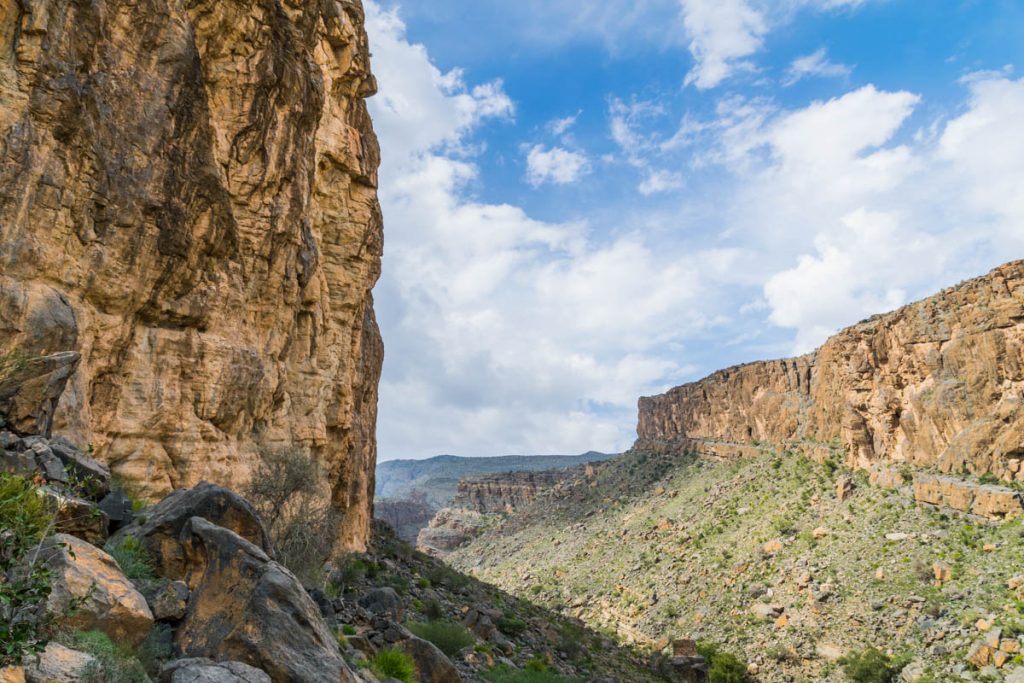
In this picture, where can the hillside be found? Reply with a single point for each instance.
(762, 556)
(435, 481)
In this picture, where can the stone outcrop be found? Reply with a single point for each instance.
(30, 390)
(406, 517)
(245, 607)
(937, 383)
(504, 492)
(198, 670)
(59, 664)
(188, 207)
(87, 579)
(477, 503)
(996, 503)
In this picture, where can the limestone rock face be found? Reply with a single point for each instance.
(188, 201)
(936, 383)
(504, 492)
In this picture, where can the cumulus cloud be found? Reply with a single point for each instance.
(505, 332)
(555, 165)
(816, 64)
(722, 33)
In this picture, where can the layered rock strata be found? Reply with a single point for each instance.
(188, 201)
(937, 384)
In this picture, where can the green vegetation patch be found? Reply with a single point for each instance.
(448, 636)
(393, 663)
(503, 673)
(872, 666)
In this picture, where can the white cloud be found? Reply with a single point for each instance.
(561, 126)
(815, 64)
(555, 165)
(660, 181)
(506, 333)
(722, 33)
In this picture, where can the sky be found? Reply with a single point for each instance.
(585, 203)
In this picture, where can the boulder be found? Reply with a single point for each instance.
(200, 670)
(163, 524)
(76, 516)
(171, 602)
(88, 473)
(432, 664)
(106, 600)
(12, 674)
(118, 508)
(383, 602)
(246, 607)
(15, 462)
(28, 397)
(58, 664)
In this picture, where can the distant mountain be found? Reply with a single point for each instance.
(434, 481)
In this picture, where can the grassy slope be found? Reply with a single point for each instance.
(662, 547)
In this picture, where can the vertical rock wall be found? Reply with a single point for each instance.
(188, 199)
(938, 383)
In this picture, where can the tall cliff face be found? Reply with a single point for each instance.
(187, 198)
(504, 492)
(935, 383)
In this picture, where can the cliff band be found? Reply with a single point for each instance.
(937, 383)
(188, 199)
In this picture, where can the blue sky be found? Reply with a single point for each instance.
(589, 202)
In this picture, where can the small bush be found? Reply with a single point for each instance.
(288, 490)
(393, 663)
(24, 521)
(118, 664)
(131, 557)
(448, 636)
(348, 629)
(723, 667)
(432, 609)
(511, 625)
(871, 666)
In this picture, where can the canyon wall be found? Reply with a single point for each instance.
(506, 491)
(937, 383)
(188, 200)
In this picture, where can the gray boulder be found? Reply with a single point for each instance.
(432, 664)
(201, 670)
(245, 607)
(383, 602)
(164, 522)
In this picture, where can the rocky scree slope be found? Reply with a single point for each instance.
(188, 201)
(937, 383)
(786, 561)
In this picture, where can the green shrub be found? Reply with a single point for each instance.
(871, 666)
(511, 625)
(723, 667)
(506, 674)
(393, 663)
(348, 629)
(432, 609)
(118, 664)
(24, 521)
(131, 557)
(448, 636)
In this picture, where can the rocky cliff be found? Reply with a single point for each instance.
(504, 492)
(187, 200)
(937, 383)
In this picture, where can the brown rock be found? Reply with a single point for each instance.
(104, 599)
(942, 571)
(58, 664)
(12, 674)
(979, 655)
(171, 603)
(991, 502)
(28, 396)
(844, 487)
(76, 516)
(934, 383)
(190, 202)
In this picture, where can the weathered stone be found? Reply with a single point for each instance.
(450, 529)
(13, 462)
(171, 602)
(29, 395)
(432, 664)
(480, 624)
(76, 516)
(89, 474)
(190, 200)
(118, 508)
(104, 599)
(161, 529)
(201, 670)
(384, 602)
(58, 664)
(844, 487)
(935, 383)
(245, 607)
(12, 674)
(988, 501)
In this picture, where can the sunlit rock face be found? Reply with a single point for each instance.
(188, 199)
(935, 383)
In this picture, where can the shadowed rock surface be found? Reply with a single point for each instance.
(188, 200)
